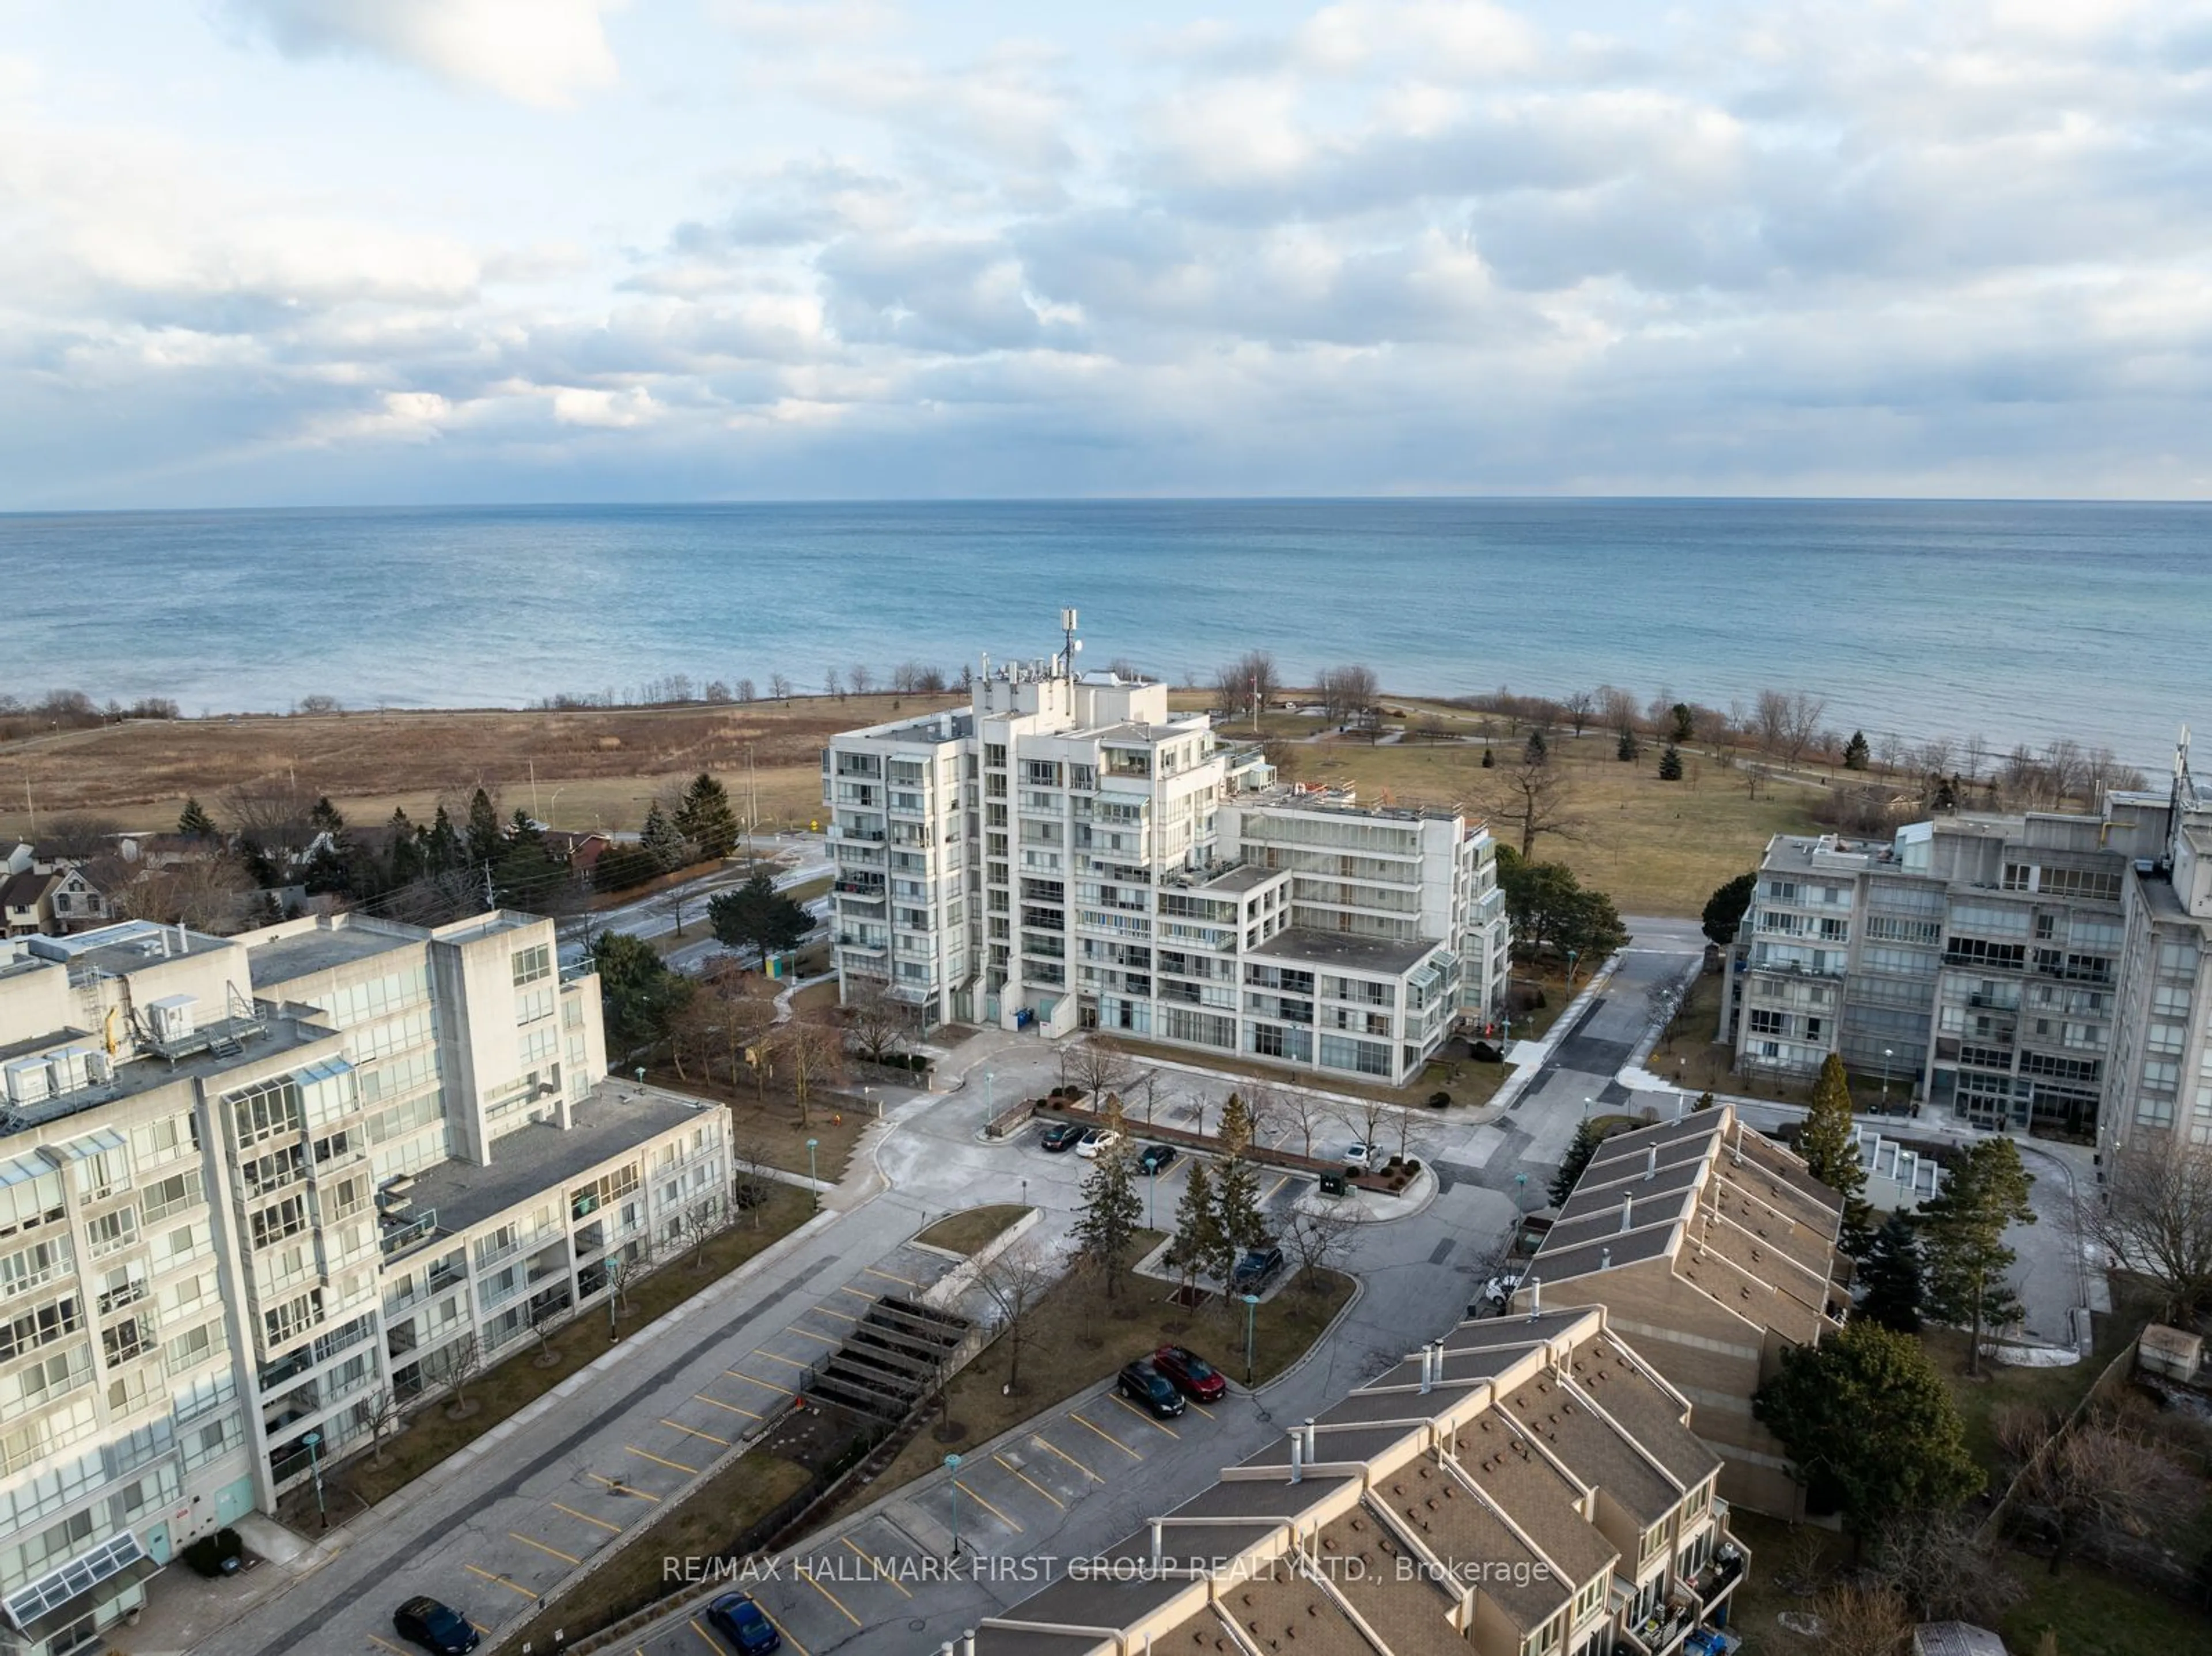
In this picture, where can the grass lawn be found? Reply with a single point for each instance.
(966, 1231)
(2094, 1614)
(701, 1527)
(432, 1435)
(1077, 1336)
(2052, 1391)
(769, 1129)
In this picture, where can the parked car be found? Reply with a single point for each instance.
(1096, 1140)
(744, 1624)
(1190, 1373)
(1361, 1154)
(1061, 1136)
(438, 1627)
(1148, 1388)
(1156, 1158)
(1497, 1294)
(1256, 1269)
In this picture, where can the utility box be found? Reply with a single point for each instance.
(1335, 1184)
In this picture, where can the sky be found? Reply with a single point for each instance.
(270, 252)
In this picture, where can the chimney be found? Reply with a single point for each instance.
(1428, 1367)
(1627, 1210)
(184, 939)
(1157, 1525)
(1313, 1442)
(1297, 1475)
(1535, 1298)
(1651, 1162)
(968, 1641)
(1605, 1258)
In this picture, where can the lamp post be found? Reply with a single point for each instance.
(1886, 1054)
(990, 1107)
(1520, 1190)
(614, 1295)
(313, 1440)
(952, 1471)
(813, 1183)
(1026, 1193)
(1587, 1103)
(1572, 953)
(1152, 1198)
(1251, 1309)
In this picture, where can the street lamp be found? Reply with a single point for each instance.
(1152, 1196)
(1572, 953)
(1026, 1193)
(813, 1183)
(952, 1470)
(1251, 1307)
(313, 1440)
(1520, 1189)
(1586, 1107)
(614, 1295)
(990, 1107)
(1886, 1053)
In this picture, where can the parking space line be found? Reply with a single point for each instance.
(807, 1576)
(890, 1277)
(1031, 1482)
(987, 1506)
(672, 1466)
(482, 1631)
(1274, 1189)
(693, 1431)
(1040, 1438)
(515, 1587)
(739, 1373)
(761, 1352)
(1109, 1436)
(616, 1483)
(841, 1316)
(705, 1639)
(877, 1565)
(1142, 1416)
(826, 1339)
(781, 1629)
(386, 1644)
(550, 1552)
(611, 1529)
(857, 1292)
(703, 1397)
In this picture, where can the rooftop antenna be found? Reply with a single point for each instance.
(1068, 636)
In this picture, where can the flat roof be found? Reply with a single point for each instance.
(304, 954)
(1347, 950)
(614, 1117)
(136, 944)
(278, 1037)
(1246, 877)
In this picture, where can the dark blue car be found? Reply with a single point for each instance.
(744, 1624)
(438, 1629)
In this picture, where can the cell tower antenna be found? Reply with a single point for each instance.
(1068, 636)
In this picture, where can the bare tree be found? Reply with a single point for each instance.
(1578, 708)
(1802, 723)
(1863, 1618)
(751, 1184)
(1014, 1283)
(2093, 1482)
(1533, 799)
(544, 1324)
(779, 688)
(1349, 695)
(271, 815)
(379, 1413)
(207, 892)
(879, 1023)
(1317, 1240)
(861, 678)
(2156, 1218)
(697, 1225)
(1618, 708)
(466, 1363)
(811, 1055)
(1100, 1066)
(1308, 1114)
(1946, 1566)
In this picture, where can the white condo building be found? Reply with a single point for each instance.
(1068, 854)
(248, 1185)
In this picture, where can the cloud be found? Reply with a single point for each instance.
(542, 52)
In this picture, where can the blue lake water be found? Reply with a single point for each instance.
(2015, 621)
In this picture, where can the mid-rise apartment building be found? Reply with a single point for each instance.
(1714, 1250)
(248, 1185)
(1067, 853)
(1527, 1486)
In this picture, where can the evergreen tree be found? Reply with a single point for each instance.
(1726, 908)
(1671, 763)
(484, 838)
(759, 917)
(1685, 722)
(1237, 1215)
(331, 869)
(1824, 1141)
(1855, 752)
(621, 866)
(1587, 1137)
(1538, 750)
(1628, 749)
(324, 818)
(1106, 1219)
(1197, 1244)
(1891, 1279)
(704, 817)
(196, 823)
(661, 839)
(403, 857)
(1870, 1427)
(527, 874)
(639, 995)
(1489, 759)
(1962, 1230)
(442, 850)
(1704, 1102)
(1235, 1131)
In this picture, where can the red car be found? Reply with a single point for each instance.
(1191, 1374)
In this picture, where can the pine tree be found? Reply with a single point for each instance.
(1197, 1244)
(759, 917)
(403, 862)
(441, 847)
(196, 823)
(1855, 752)
(661, 839)
(1962, 1231)
(1587, 1138)
(1106, 1221)
(1538, 750)
(1237, 1215)
(1235, 1131)
(1725, 909)
(1628, 749)
(1830, 1156)
(704, 817)
(1704, 1102)
(1891, 1277)
(1489, 759)
(1670, 764)
(484, 830)
(1685, 722)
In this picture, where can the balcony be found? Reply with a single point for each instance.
(1724, 1571)
(1666, 1628)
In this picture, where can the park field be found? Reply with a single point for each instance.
(1656, 847)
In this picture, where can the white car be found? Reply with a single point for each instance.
(1097, 1139)
(1363, 1154)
